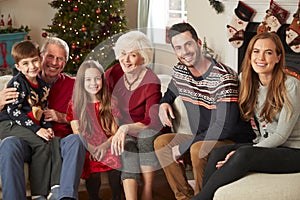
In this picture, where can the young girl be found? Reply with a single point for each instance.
(90, 114)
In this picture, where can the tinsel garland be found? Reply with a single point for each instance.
(217, 5)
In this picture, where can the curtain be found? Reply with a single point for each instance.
(143, 14)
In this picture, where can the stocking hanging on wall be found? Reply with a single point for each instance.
(293, 32)
(275, 17)
(238, 24)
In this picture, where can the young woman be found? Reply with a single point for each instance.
(270, 99)
(90, 114)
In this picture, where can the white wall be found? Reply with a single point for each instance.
(37, 14)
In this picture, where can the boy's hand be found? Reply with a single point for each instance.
(45, 134)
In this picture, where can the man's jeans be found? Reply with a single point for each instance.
(14, 152)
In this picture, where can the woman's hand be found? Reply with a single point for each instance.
(165, 110)
(221, 163)
(118, 140)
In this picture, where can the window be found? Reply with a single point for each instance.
(163, 14)
(176, 12)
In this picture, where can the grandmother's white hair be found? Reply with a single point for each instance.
(134, 41)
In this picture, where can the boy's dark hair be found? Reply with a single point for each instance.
(24, 49)
(181, 28)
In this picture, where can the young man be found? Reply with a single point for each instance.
(209, 91)
(54, 54)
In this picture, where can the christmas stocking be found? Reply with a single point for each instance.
(238, 24)
(293, 32)
(275, 17)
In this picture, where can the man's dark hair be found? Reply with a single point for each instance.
(181, 28)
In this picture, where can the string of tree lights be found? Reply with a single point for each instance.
(84, 24)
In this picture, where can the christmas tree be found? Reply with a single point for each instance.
(84, 24)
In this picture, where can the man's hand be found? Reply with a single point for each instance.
(165, 110)
(7, 96)
(54, 116)
(175, 153)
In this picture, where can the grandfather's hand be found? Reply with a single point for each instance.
(52, 115)
(7, 96)
(118, 140)
(166, 110)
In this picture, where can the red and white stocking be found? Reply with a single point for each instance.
(275, 17)
(238, 24)
(293, 32)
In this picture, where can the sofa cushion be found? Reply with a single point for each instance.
(4, 80)
(262, 186)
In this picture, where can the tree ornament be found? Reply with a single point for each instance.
(77, 58)
(236, 28)
(83, 28)
(73, 46)
(75, 9)
(293, 32)
(44, 35)
(275, 17)
(98, 11)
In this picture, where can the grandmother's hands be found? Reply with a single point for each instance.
(118, 140)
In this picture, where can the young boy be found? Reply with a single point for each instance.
(27, 111)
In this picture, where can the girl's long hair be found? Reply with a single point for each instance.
(276, 95)
(81, 100)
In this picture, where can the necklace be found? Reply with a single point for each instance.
(128, 83)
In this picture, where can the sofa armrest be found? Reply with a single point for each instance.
(180, 123)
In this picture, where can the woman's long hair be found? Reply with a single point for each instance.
(81, 100)
(276, 95)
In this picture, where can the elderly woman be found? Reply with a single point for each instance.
(137, 91)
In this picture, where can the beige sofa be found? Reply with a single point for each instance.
(255, 186)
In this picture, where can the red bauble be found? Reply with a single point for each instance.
(75, 9)
(83, 28)
(73, 46)
(98, 11)
(76, 58)
(44, 35)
